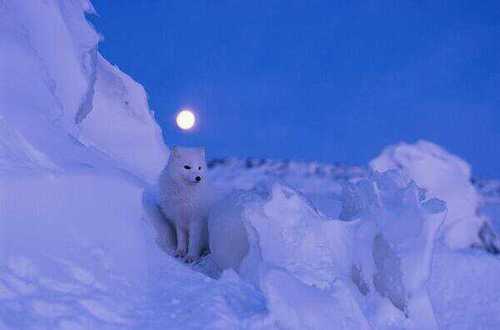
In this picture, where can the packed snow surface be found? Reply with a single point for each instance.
(406, 244)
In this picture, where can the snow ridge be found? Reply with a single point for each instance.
(56, 85)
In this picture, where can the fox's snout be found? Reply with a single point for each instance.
(198, 178)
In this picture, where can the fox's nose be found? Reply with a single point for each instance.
(198, 178)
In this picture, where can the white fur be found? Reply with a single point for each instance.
(183, 200)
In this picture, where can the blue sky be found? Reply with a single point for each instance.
(332, 81)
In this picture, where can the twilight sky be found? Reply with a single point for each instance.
(332, 81)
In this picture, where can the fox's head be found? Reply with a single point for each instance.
(187, 164)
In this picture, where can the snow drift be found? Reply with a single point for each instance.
(62, 103)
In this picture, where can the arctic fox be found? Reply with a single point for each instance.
(184, 201)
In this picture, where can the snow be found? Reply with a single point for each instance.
(274, 226)
(464, 289)
(295, 305)
(83, 244)
(62, 104)
(254, 221)
(399, 225)
(120, 124)
(445, 176)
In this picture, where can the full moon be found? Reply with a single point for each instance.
(185, 119)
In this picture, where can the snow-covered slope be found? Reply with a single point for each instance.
(61, 104)
(77, 145)
(294, 245)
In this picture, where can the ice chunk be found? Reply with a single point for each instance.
(274, 224)
(444, 176)
(395, 235)
(300, 259)
(386, 252)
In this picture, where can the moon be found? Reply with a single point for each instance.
(185, 119)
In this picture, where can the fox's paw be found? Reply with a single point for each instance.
(190, 259)
(180, 253)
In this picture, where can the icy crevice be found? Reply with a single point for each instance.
(89, 66)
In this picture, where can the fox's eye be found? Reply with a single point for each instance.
(187, 167)
(199, 168)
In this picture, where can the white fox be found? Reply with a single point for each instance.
(183, 197)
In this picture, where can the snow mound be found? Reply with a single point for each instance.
(381, 262)
(444, 176)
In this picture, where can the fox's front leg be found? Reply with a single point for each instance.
(181, 241)
(195, 232)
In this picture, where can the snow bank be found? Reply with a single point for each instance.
(378, 264)
(65, 252)
(71, 258)
(444, 176)
(61, 103)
